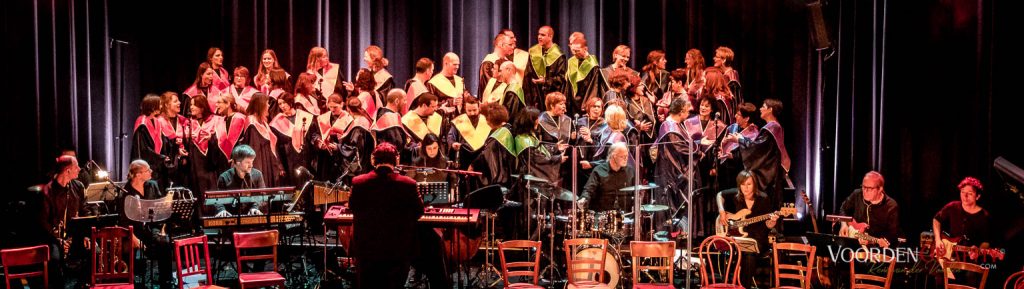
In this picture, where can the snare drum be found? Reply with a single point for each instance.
(585, 224)
(609, 222)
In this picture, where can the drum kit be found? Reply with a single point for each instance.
(555, 215)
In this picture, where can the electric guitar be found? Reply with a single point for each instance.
(856, 230)
(736, 222)
(950, 251)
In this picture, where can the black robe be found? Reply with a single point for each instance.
(293, 157)
(542, 66)
(551, 133)
(767, 159)
(580, 87)
(388, 128)
(356, 146)
(657, 85)
(264, 142)
(497, 159)
(730, 161)
(672, 171)
(150, 145)
(206, 163)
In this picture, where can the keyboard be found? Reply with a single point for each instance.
(340, 215)
(255, 220)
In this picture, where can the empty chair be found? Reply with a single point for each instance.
(865, 280)
(529, 267)
(113, 258)
(253, 241)
(24, 259)
(586, 272)
(659, 257)
(800, 271)
(720, 257)
(961, 266)
(192, 256)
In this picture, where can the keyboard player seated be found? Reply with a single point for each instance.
(240, 176)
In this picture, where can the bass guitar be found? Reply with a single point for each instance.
(735, 223)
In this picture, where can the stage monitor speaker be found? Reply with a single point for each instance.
(818, 31)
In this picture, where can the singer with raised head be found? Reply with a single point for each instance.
(385, 209)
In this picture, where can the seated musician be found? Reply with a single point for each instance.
(240, 176)
(870, 205)
(151, 237)
(61, 200)
(607, 178)
(758, 204)
(964, 220)
(385, 209)
(429, 156)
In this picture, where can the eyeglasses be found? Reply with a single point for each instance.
(865, 188)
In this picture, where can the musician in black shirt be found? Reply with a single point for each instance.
(964, 219)
(241, 175)
(872, 206)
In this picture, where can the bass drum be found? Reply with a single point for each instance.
(612, 269)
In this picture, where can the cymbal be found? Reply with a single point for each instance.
(653, 208)
(530, 178)
(566, 195)
(639, 187)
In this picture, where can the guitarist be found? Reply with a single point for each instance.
(870, 205)
(758, 203)
(964, 219)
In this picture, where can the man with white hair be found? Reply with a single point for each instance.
(606, 180)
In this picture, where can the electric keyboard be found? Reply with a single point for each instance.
(340, 215)
(253, 220)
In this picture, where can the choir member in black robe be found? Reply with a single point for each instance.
(368, 98)
(546, 72)
(206, 159)
(467, 136)
(330, 126)
(512, 96)
(449, 88)
(556, 131)
(203, 85)
(766, 155)
(294, 130)
(654, 76)
(675, 155)
(723, 60)
(306, 98)
(329, 79)
(715, 88)
(357, 142)
(640, 110)
(241, 89)
(148, 143)
(675, 90)
(589, 127)
(711, 126)
(616, 129)
(375, 61)
(620, 63)
(582, 82)
(387, 127)
(262, 139)
(416, 85)
(496, 160)
(173, 127)
(235, 124)
(504, 49)
(729, 161)
(221, 79)
(420, 121)
(535, 159)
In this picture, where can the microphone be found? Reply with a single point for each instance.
(717, 115)
(302, 171)
(573, 128)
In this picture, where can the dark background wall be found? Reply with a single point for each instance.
(919, 90)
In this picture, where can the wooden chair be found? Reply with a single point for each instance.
(1017, 279)
(799, 272)
(591, 268)
(192, 256)
(727, 265)
(530, 267)
(874, 257)
(113, 257)
(26, 257)
(660, 253)
(965, 267)
(257, 240)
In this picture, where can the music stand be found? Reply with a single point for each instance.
(825, 241)
(101, 191)
(748, 245)
(144, 211)
(182, 209)
(433, 192)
